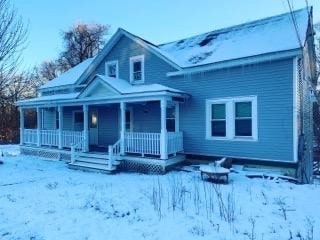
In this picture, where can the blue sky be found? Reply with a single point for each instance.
(157, 21)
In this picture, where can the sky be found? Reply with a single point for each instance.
(158, 21)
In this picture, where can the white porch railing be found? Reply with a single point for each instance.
(149, 143)
(49, 137)
(175, 142)
(70, 138)
(30, 136)
(143, 143)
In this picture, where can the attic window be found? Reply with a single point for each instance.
(112, 69)
(137, 69)
(207, 39)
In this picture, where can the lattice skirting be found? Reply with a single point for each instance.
(45, 153)
(128, 165)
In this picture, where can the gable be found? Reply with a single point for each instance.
(121, 49)
(97, 88)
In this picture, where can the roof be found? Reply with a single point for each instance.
(124, 87)
(69, 77)
(273, 34)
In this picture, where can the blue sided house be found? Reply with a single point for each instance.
(241, 92)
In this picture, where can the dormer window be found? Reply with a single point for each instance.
(137, 69)
(112, 69)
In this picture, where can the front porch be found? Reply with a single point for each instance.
(89, 143)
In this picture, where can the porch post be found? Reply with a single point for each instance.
(60, 112)
(177, 117)
(164, 134)
(21, 125)
(123, 126)
(85, 128)
(39, 115)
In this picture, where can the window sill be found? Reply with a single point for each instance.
(240, 139)
(137, 82)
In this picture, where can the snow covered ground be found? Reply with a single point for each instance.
(42, 199)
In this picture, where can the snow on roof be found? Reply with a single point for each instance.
(70, 76)
(55, 97)
(273, 34)
(124, 87)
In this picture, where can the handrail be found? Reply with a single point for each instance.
(113, 150)
(76, 148)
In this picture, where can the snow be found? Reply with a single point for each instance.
(124, 87)
(42, 199)
(268, 35)
(69, 77)
(55, 97)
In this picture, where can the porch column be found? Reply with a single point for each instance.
(177, 117)
(85, 128)
(60, 112)
(123, 126)
(164, 134)
(21, 125)
(39, 115)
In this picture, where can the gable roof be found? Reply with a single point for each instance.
(69, 77)
(269, 35)
(123, 87)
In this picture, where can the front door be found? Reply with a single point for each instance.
(93, 128)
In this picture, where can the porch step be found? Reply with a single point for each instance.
(92, 167)
(94, 160)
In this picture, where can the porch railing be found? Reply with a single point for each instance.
(51, 137)
(143, 143)
(149, 143)
(70, 138)
(175, 142)
(30, 136)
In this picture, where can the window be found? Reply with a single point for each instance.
(57, 120)
(128, 120)
(232, 118)
(112, 69)
(218, 120)
(137, 69)
(78, 117)
(243, 119)
(170, 119)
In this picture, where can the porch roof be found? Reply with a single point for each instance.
(104, 89)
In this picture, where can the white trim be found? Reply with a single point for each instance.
(237, 62)
(230, 118)
(130, 109)
(295, 110)
(133, 60)
(116, 62)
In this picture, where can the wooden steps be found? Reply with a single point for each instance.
(93, 162)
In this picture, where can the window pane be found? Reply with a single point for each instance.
(243, 127)
(137, 66)
(170, 112)
(218, 111)
(171, 125)
(218, 128)
(78, 117)
(243, 109)
(112, 70)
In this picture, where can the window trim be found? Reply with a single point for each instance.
(132, 61)
(116, 62)
(230, 118)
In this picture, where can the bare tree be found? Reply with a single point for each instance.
(81, 42)
(47, 71)
(12, 41)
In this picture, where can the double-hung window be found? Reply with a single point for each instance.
(112, 69)
(218, 120)
(232, 118)
(137, 69)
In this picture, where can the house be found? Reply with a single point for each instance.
(240, 92)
